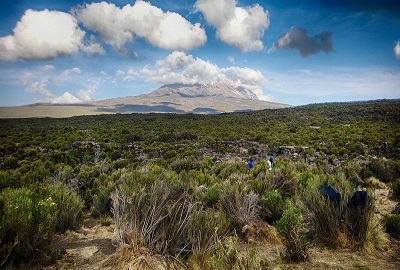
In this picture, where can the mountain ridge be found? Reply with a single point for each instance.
(169, 98)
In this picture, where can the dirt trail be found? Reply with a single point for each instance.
(86, 248)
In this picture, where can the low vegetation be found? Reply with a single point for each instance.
(179, 186)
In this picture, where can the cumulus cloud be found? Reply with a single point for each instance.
(42, 35)
(65, 98)
(297, 39)
(241, 27)
(117, 26)
(397, 50)
(179, 67)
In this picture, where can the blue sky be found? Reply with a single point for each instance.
(294, 52)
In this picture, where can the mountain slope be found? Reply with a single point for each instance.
(172, 98)
(193, 98)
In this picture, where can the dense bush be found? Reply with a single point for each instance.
(392, 224)
(288, 226)
(274, 203)
(396, 189)
(70, 208)
(27, 225)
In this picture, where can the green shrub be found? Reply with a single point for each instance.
(396, 189)
(10, 163)
(392, 224)
(274, 202)
(212, 195)
(27, 225)
(290, 221)
(70, 208)
(288, 226)
(305, 179)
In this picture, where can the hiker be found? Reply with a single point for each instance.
(359, 199)
(330, 192)
(270, 162)
(250, 163)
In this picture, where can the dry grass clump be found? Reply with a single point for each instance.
(373, 182)
(258, 231)
(142, 259)
(153, 216)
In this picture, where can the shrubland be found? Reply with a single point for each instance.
(178, 185)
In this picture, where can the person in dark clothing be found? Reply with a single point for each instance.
(358, 200)
(331, 193)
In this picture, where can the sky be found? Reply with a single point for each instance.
(294, 52)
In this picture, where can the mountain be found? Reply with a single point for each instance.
(172, 98)
(204, 90)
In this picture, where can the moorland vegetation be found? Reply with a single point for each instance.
(178, 185)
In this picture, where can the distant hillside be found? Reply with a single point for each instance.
(172, 98)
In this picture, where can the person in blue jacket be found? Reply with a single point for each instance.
(250, 163)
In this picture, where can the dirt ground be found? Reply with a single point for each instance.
(93, 245)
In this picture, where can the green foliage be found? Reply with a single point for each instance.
(290, 221)
(385, 170)
(27, 225)
(392, 224)
(274, 202)
(70, 208)
(296, 249)
(396, 189)
(201, 161)
(212, 195)
(10, 163)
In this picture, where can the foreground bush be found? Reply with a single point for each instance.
(27, 225)
(70, 208)
(288, 226)
(392, 224)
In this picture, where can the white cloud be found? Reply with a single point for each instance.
(46, 68)
(47, 83)
(66, 74)
(38, 88)
(42, 35)
(93, 47)
(397, 50)
(87, 93)
(241, 27)
(128, 75)
(106, 19)
(65, 98)
(179, 67)
(231, 60)
(117, 26)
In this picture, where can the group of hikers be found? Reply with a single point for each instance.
(357, 200)
(270, 162)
